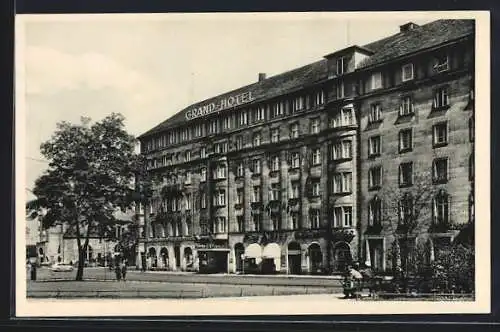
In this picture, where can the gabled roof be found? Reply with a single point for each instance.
(392, 47)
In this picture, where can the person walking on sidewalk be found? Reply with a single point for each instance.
(118, 271)
(124, 269)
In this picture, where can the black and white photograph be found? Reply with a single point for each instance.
(252, 163)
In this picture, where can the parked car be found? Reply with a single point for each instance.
(59, 267)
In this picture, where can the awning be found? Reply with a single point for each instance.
(272, 250)
(253, 251)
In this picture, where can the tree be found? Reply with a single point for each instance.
(406, 213)
(91, 168)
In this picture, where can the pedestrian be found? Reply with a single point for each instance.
(118, 272)
(124, 269)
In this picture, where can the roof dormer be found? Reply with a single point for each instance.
(346, 60)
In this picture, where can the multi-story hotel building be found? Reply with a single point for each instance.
(287, 174)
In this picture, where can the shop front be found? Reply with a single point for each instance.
(213, 256)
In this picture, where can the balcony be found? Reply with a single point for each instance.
(345, 234)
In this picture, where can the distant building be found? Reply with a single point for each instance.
(59, 244)
(283, 174)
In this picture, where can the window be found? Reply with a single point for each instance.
(315, 126)
(256, 139)
(375, 177)
(256, 194)
(342, 216)
(240, 220)
(440, 170)
(407, 72)
(198, 130)
(239, 143)
(239, 196)
(376, 80)
(316, 188)
(275, 222)
(441, 63)
(189, 226)
(341, 150)
(441, 208)
(256, 166)
(342, 182)
(187, 156)
(260, 113)
(471, 129)
(440, 134)
(203, 200)
(375, 113)
(220, 172)
(298, 103)
(405, 140)
(295, 160)
(227, 122)
(405, 209)
(441, 98)
(220, 197)
(240, 170)
(220, 147)
(343, 118)
(294, 130)
(375, 212)
(188, 202)
(406, 107)
(374, 146)
(341, 65)
(212, 126)
(316, 157)
(203, 152)
(278, 109)
(275, 135)
(256, 219)
(243, 118)
(220, 225)
(294, 221)
(340, 90)
(188, 178)
(406, 174)
(203, 174)
(314, 217)
(275, 163)
(274, 192)
(319, 98)
(295, 190)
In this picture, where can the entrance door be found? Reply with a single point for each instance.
(239, 250)
(177, 253)
(315, 258)
(294, 258)
(342, 257)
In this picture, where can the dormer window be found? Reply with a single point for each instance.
(341, 65)
(376, 80)
(407, 72)
(441, 63)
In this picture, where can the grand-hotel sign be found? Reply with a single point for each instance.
(222, 104)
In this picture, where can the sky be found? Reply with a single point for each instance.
(148, 67)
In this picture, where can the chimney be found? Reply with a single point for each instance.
(262, 76)
(407, 27)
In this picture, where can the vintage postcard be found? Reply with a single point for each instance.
(252, 163)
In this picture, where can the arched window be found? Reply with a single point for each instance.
(441, 208)
(375, 211)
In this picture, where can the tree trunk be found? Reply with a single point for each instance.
(82, 250)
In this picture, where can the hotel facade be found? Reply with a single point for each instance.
(287, 175)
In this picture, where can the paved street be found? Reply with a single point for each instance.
(100, 282)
